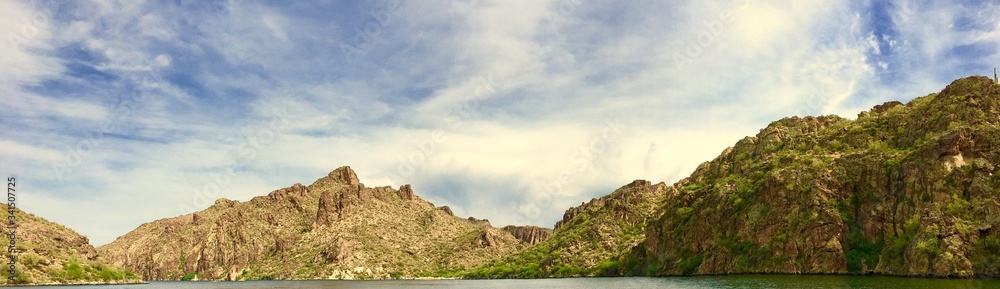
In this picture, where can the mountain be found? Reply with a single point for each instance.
(589, 240)
(905, 189)
(333, 228)
(49, 253)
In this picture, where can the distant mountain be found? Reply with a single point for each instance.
(49, 253)
(335, 228)
(589, 240)
(905, 189)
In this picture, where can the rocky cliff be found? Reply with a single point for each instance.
(333, 228)
(49, 253)
(905, 189)
(529, 234)
(589, 240)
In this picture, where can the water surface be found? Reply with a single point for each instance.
(734, 282)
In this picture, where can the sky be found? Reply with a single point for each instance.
(120, 113)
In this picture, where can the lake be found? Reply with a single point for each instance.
(734, 282)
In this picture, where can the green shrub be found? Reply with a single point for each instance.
(863, 254)
(836, 145)
(652, 268)
(608, 268)
(929, 246)
(530, 271)
(690, 265)
(32, 261)
(72, 271)
(992, 245)
(632, 267)
(958, 205)
(684, 213)
(108, 274)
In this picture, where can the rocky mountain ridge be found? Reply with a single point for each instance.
(334, 228)
(588, 240)
(906, 189)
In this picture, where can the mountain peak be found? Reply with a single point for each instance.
(324, 230)
(345, 175)
(971, 84)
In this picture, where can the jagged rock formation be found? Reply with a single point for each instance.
(529, 234)
(334, 228)
(587, 241)
(906, 189)
(49, 253)
(481, 222)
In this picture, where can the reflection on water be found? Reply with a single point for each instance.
(733, 282)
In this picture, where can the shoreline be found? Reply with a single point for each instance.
(74, 284)
(572, 277)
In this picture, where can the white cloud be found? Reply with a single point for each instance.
(481, 107)
(873, 42)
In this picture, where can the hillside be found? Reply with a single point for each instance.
(334, 228)
(589, 240)
(49, 253)
(905, 189)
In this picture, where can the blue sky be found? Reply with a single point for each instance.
(121, 113)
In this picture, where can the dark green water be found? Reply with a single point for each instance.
(746, 281)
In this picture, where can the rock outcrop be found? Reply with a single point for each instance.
(326, 212)
(529, 234)
(406, 193)
(480, 222)
(333, 228)
(620, 206)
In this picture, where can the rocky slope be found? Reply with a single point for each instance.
(49, 253)
(333, 228)
(905, 189)
(589, 240)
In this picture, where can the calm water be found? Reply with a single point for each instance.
(819, 282)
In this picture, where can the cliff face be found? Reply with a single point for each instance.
(334, 228)
(529, 234)
(588, 240)
(49, 253)
(906, 189)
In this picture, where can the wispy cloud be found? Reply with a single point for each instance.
(126, 112)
